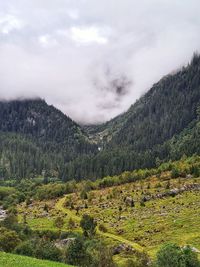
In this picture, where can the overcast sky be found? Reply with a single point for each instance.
(93, 58)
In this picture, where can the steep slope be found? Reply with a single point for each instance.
(141, 137)
(165, 110)
(36, 137)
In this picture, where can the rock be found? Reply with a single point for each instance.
(195, 249)
(122, 248)
(64, 242)
(129, 201)
(2, 214)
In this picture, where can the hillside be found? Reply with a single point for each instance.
(36, 138)
(135, 211)
(146, 133)
(13, 260)
(166, 109)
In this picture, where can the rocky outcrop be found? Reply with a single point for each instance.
(173, 192)
(2, 214)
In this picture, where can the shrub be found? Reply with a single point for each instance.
(8, 240)
(88, 225)
(71, 224)
(102, 228)
(39, 248)
(77, 255)
(49, 251)
(175, 173)
(171, 255)
(25, 248)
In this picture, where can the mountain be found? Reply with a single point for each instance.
(37, 138)
(153, 128)
(164, 111)
(167, 108)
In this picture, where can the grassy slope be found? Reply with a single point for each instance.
(11, 260)
(60, 206)
(171, 219)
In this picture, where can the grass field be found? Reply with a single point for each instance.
(143, 227)
(11, 260)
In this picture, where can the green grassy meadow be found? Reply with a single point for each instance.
(144, 227)
(12, 260)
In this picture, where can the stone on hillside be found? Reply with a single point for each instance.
(2, 214)
(64, 242)
(122, 248)
(129, 201)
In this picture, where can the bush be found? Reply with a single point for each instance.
(175, 173)
(88, 225)
(49, 251)
(8, 240)
(6, 191)
(77, 255)
(171, 255)
(102, 228)
(40, 249)
(26, 248)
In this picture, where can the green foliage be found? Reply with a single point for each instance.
(39, 248)
(59, 222)
(84, 194)
(71, 224)
(10, 221)
(89, 253)
(49, 251)
(88, 225)
(6, 191)
(37, 139)
(171, 255)
(142, 260)
(77, 255)
(25, 248)
(102, 228)
(175, 173)
(8, 239)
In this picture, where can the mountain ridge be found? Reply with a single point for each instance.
(132, 140)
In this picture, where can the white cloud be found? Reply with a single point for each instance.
(47, 40)
(9, 23)
(73, 14)
(87, 35)
(93, 58)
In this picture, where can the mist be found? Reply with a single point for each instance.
(93, 59)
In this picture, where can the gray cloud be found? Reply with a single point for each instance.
(93, 59)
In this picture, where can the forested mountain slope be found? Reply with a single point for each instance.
(36, 137)
(165, 110)
(164, 124)
(157, 127)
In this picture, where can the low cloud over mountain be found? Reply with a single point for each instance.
(90, 58)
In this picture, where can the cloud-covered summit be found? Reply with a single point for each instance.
(90, 58)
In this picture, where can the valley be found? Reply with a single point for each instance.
(124, 193)
(99, 133)
(131, 218)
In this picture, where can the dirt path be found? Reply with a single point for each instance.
(60, 206)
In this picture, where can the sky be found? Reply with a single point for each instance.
(93, 58)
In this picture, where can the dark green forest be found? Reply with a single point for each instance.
(38, 140)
